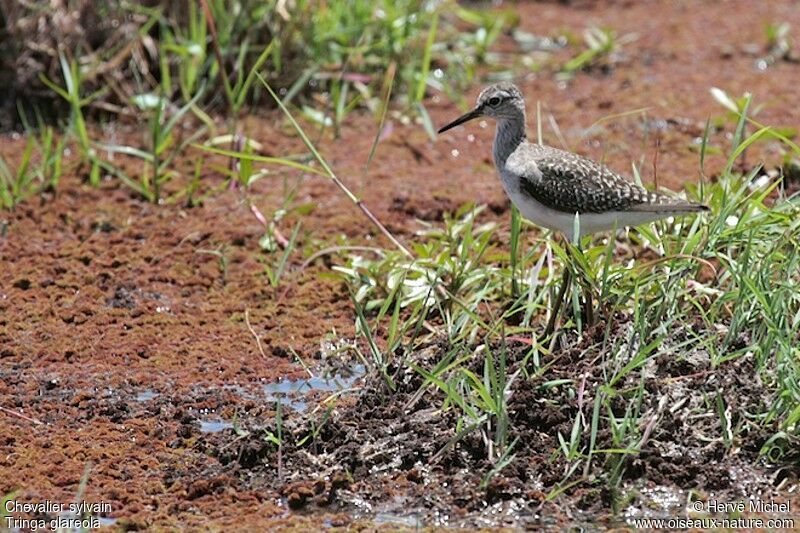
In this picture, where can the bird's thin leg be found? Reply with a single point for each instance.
(589, 307)
(565, 281)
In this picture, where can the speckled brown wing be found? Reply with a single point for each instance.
(571, 183)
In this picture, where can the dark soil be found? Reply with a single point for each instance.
(390, 452)
(120, 335)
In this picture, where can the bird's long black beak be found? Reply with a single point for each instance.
(475, 113)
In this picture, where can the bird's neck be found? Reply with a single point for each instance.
(510, 134)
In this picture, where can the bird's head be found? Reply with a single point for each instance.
(500, 101)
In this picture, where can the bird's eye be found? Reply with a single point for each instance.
(494, 100)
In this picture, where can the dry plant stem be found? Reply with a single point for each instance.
(378, 223)
(648, 430)
(332, 176)
(20, 415)
(280, 238)
(337, 249)
(589, 306)
(234, 164)
(561, 139)
(253, 332)
(676, 379)
(212, 27)
(387, 93)
(565, 281)
(282, 241)
(655, 164)
(648, 264)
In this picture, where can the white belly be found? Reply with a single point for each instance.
(553, 219)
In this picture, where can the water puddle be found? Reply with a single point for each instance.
(289, 392)
(396, 519)
(146, 396)
(655, 502)
(395, 513)
(215, 426)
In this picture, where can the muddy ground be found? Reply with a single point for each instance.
(126, 345)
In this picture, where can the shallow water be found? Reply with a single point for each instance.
(215, 426)
(146, 395)
(287, 391)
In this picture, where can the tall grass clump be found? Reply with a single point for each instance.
(335, 52)
(166, 64)
(718, 292)
(38, 169)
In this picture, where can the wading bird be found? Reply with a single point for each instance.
(552, 188)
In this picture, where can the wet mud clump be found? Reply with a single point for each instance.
(397, 453)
